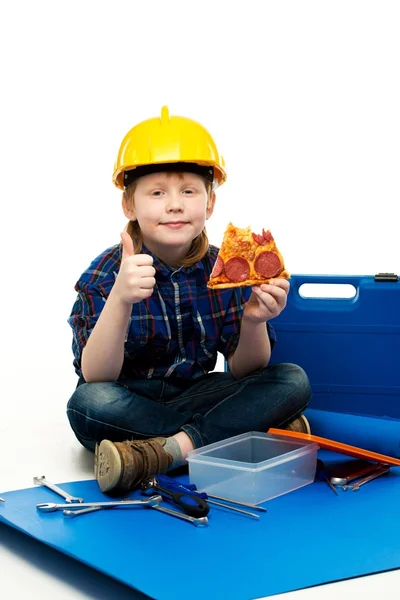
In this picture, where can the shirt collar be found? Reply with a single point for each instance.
(166, 270)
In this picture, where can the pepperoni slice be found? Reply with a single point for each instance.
(218, 267)
(267, 264)
(237, 269)
(259, 239)
(267, 236)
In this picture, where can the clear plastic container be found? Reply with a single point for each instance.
(253, 467)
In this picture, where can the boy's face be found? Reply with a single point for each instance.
(171, 210)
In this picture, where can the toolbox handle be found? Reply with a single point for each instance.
(352, 286)
(326, 287)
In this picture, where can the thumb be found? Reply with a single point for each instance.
(127, 246)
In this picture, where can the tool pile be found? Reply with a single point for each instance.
(194, 505)
(351, 474)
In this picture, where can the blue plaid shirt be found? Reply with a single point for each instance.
(177, 332)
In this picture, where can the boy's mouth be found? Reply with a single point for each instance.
(174, 224)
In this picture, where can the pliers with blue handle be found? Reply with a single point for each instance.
(190, 502)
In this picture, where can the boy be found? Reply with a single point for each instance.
(147, 329)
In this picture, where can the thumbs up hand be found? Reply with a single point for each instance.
(135, 280)
(127, 246)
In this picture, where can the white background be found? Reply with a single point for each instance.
(303, 101)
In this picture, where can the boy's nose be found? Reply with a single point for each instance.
(175, 202)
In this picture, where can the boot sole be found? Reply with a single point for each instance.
(306, 424)
(107, 465)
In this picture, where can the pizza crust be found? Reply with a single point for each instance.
(248, 282)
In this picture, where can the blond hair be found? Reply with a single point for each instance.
(200, 244)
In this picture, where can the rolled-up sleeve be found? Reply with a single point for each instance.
(86, 310)
(231, 328)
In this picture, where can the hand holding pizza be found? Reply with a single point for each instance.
(266, 301)
(251, 259)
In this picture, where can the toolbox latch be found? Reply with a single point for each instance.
(386, 277)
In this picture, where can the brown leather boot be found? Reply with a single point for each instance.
(121, 466)
(300, 425)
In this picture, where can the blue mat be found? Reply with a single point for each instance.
(350, 349)
(307, 538)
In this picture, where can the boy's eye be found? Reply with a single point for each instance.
(156, 193)
(188, 192)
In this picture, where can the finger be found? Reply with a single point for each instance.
(273, 289)
(144, 260)
(264, 297)
(147, 283)
(146, 293)
(147, 271)
(281, 283)
(127, 246)
(278, 295)
(256, 289)
(269, 301)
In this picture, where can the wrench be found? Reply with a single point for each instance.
(83, 511)
(51, 506)
(197, 522)
(356, 486)
(41, 480)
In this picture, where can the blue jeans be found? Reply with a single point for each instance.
(208, 409)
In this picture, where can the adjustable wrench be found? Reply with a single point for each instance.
(41, 480)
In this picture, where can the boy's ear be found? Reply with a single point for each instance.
(128, 211)
(210, 205)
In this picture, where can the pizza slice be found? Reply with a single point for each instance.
(245, 259)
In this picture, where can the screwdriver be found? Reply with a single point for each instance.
(193, 489)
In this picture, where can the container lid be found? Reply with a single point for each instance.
(334, 446)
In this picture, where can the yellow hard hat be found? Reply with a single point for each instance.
(168, 140)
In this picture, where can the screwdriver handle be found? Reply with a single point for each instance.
(171, 484)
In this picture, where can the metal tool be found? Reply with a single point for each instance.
(254, 506)
(329, 482)
(172, 484)
(196, 522)
(164, 479)
(51, 506)
(2, 500)
(75, 511)
(348, 471)
(41, 480)
(323, 475)
(83, 511)
(189, 502)
(356, 486)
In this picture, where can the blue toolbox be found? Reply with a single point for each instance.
(350, 348)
